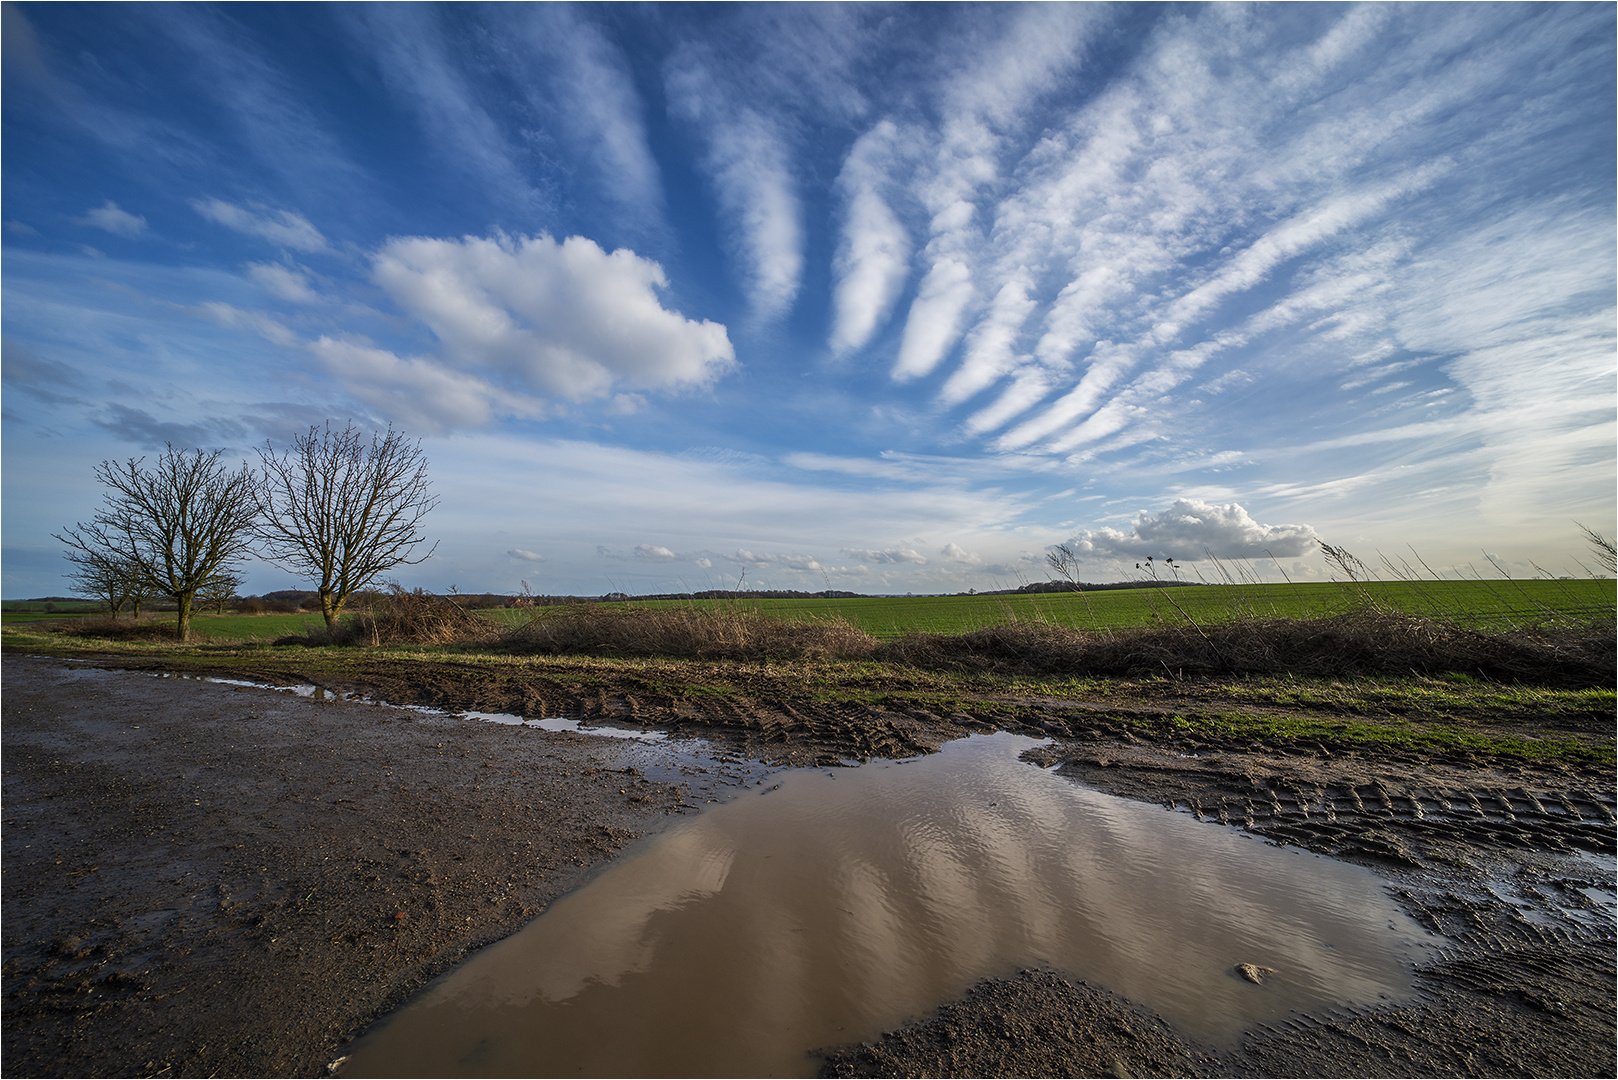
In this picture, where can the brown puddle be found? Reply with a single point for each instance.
(847, 902)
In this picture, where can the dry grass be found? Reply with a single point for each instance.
(1358, 643)
(122, 629)
(403, 618)
(1368, 641)
(694, 633)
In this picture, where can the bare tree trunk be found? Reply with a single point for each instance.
(330, 606)
(184, 631)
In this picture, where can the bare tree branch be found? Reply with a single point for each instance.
(220, 590)
(1065, 561)
(343, 511)
(1606, 554)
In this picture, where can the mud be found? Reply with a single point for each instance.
(210, 880)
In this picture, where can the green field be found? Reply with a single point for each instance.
(223, 627)
(1495, 604)
(1484, 604)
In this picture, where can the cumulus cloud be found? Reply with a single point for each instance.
(281, 227)
(955, 553)
(562, 319)
(526, 556)
(114, 220)
(654, 553)
(1191, 529)
(887, 555)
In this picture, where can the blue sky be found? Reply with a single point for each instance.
(880, 298)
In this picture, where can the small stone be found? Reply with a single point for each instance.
(1253, 973)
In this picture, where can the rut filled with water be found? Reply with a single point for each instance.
(842, 903)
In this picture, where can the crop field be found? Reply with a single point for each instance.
(1482, 604)
(1495, 605)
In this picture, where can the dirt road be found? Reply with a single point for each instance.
(214, 880)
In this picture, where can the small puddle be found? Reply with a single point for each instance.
(844, 903)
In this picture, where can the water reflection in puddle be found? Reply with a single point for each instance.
(847, 902)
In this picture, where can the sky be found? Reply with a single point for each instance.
(874, 298)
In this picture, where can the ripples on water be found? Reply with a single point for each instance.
(849, 901)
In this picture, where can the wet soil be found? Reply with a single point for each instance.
(210, 880)
(202, 880)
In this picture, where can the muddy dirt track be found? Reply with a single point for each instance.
(214, 880)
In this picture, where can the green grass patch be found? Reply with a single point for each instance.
(1480, 604)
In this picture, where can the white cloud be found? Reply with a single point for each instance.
(526, 556)
(1191, 529)
(114, 220)
(565, 320)
(934, 323)
(781, 560)
(752, 171)
(592, 97)
(420, 394)
(873, 255)
(654, 553)
(270, 329)
(409, 45)
(955, 553)
(282, 227)
(887, 555)
(990, 347)
(290, 283)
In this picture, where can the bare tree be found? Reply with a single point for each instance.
(343, 510)
(178, 525)
(220, 589)
(100, 571)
